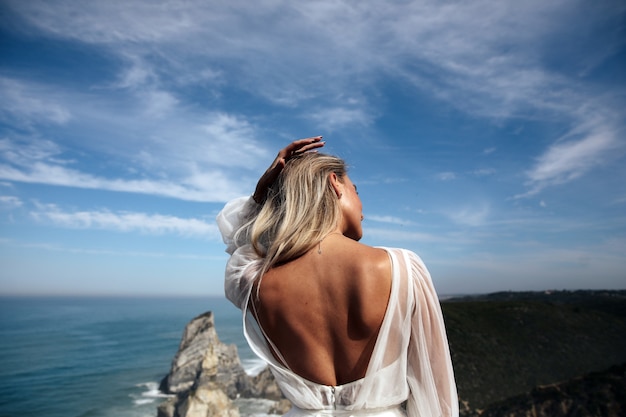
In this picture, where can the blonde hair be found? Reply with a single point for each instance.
(300, 210)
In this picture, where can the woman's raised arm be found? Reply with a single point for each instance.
(295, 148)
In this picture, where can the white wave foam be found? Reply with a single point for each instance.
(143, 401)
(254, 407)
(151, 394)
(253, 366)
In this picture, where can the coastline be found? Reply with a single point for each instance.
(104, 356)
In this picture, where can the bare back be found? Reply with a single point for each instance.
(323, 310)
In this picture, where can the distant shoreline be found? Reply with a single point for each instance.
(523, 295)
(442, 297)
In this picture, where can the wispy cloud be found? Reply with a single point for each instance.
(9, 202)
(565, 161)
(404, 236)
(208, 187)
(185, 157)
(25, 151)
(502, 70)
(332, 118)
(109, 23)
(331, 46)
(446, 176)
(389, 220)
(475, 215)
(126, 222)
(573, 156)
(54, 247)
(29, 102)
(483, 172)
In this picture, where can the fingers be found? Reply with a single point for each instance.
(295, 148)
(301, 145)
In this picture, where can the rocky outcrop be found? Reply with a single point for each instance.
(206, 401)
(206, 375)
(203, 374)
(263, 385)
(203, 360)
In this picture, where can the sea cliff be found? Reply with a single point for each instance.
(206, 377)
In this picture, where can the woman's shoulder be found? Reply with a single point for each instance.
(369, 269)
(382, 258)
(406, 258)
(399, 252)
(364, 255)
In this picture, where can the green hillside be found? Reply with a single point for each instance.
(597, 394)
(506, 344)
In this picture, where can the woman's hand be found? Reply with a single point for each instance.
(294, 148)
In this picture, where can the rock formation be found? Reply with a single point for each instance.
(206, 375)
(263, 385)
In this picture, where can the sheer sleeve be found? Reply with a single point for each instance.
(430, 375)
(244, 262)
(232, 217)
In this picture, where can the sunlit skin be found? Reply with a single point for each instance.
(324, 309)
(351, 206)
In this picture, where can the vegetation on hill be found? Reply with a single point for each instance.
(597, 394)
(506, 344)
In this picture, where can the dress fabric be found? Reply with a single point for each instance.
(410, 361)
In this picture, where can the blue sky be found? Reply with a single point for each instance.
(487, 136)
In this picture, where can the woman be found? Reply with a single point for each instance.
(346, 328)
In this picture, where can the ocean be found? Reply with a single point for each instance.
(98, 356)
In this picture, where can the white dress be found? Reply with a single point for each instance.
(410, 361)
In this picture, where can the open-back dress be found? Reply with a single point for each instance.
(410, 362)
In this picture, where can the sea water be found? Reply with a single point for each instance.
(98, 357)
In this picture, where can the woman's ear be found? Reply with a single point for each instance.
(336, 184)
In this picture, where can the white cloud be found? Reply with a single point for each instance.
(569, 159)
(127, 222)
(483, 172)
(111, 22)
(186, 157)
(565, 161)
(487, 58)
(389, 219)
(446, 176)
(30, 102)
(207, 187)
(24, 151)
(332, 118)
(146, 124)
(136, 74)
(158, 103)
(154, 118)
(9, 202)
(106, 252)
(402, 236)
(482, 56)
(475, 215)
